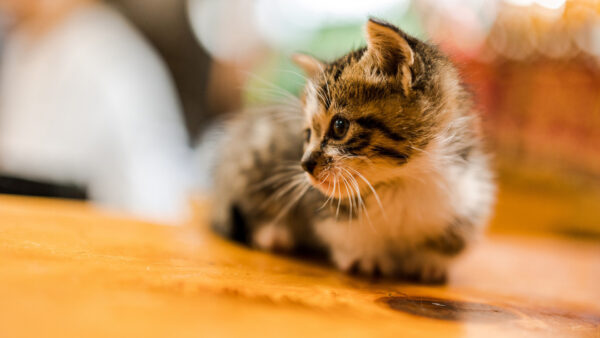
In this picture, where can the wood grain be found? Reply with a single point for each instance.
(70, 270)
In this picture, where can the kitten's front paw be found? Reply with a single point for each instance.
(367, 265)
(271, 237)
(422, 268)
(427, 274)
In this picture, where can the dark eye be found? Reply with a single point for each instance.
(307, 135)
(339, 127)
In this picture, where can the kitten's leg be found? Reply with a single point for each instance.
(424, 266)
(428, 262)
(356, 247)
(273, 237)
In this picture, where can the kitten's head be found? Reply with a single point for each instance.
(374, 111)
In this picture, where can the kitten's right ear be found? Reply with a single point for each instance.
(388, 45)
(389, 51)
(309, 64)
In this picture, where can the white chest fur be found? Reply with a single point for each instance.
(431, 193)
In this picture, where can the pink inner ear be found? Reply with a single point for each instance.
(389, 51)
(310, 65)
(388, 43)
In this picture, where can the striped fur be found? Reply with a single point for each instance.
(392, 145)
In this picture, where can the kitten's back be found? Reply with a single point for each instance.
(254, 181)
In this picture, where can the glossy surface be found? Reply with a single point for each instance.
(69, 270)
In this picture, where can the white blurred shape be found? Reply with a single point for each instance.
(588, 38)
(234, 30)
(226, 29)
(463, 24)
(206, 154)
(520, 2)
(343, 9)
(551, 4)
(90, 103)
(285, 24)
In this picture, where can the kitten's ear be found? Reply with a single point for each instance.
(309, 64)
(388, 49)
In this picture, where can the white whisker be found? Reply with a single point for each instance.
(273, 86)
(337, 210)
(377, 199)
(350, 197)
(293, 202)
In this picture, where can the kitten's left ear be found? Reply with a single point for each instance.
(309, 64)
(389, 50)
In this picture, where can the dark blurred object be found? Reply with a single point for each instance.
(19, 186)
(166, 25)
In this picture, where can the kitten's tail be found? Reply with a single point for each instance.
(227, 219)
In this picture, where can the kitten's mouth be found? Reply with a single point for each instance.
(317, 183)
(325, 185)
(329, 186)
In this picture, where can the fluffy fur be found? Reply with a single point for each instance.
(392, 145)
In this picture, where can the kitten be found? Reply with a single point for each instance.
(391, 145)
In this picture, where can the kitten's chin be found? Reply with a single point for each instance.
(325, 186)
(329, 188)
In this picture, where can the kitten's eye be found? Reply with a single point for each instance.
(339, 127)
(307, 135)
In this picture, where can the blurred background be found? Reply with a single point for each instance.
(116, 101)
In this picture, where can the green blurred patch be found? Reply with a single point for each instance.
(277, 74)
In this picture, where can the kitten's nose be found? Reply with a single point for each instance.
(309, 165)
(309, 162)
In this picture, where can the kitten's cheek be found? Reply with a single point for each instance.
(315, 182)
(324, 185)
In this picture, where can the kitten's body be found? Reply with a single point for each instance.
(392, 143)
(254, 198)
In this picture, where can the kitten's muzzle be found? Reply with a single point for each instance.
(310, 161)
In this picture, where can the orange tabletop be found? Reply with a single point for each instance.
(68, 269)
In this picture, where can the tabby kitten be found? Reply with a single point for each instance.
(399, 183)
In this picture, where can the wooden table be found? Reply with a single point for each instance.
(70, 270)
